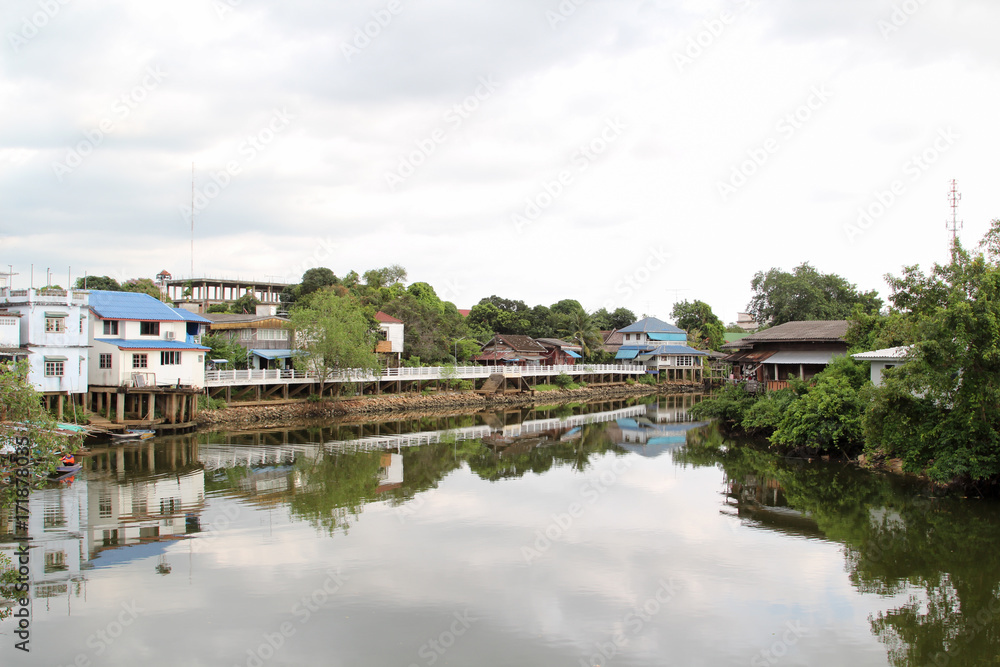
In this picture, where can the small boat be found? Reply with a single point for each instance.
(64, 471)
(133, 434)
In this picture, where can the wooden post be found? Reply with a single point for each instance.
(150, 407)
(120, 408)
(184, 402)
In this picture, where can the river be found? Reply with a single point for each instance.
(620, 533)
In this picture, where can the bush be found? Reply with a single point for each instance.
(207, 403)
(648, 379)
(829, 414)
(562, 380)
(765, 414)
(730, 404)
(314, 398)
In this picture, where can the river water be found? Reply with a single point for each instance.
(618, 533)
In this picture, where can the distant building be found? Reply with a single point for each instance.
(613, 340)
(52, 327)
(662, 348)
(198, 294)
(266, 338)
(512, 350)
(559, 352)
(390, 347)
(746, 322)
(883, 360)
(802, 349)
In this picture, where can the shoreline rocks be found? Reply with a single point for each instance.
(357, 409)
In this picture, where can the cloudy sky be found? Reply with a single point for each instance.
(618, 152)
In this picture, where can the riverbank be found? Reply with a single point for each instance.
(440, 404)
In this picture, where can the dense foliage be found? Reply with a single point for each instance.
(806, 294)
(705, 330)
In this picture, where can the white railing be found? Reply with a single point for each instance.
(224, 378)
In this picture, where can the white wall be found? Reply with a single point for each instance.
(394, 334)
(10, 331)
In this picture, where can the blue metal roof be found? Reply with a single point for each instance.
(123, 344)
(191, 317)
(677, 349)
(651, 324)
(273, 354)
(626, 354)
(675, 337)
(131, 306)
(573, 354)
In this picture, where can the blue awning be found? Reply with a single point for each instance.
(677, 337)
(627, 354)
(573, 354)
(272, 354)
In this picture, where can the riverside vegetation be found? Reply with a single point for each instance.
(936, 411)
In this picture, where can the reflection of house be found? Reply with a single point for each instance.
(140, 341)
(265, 336)
(390, 472)
(559, 352)
(390, 345)
(513, 350)
(882, 360)
(794, 348)
(661, 347)
(52, 327)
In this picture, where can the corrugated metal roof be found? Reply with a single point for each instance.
(677, 349)
(123, 344)
(191, 317)
(651, 324)
(888, 354)
(805, 331)
(626, 354)
(131, 306)
(804, 357)
(273, 354)
(660, 337)
(749, 357)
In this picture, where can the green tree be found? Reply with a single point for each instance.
(580, 328)
(246, 304)
(334, 334)
(221, 346)
(697, 318)
(316, 279)
(384, 277)
(937, 411)
(143, 286)
(105, 283)
(805, 294)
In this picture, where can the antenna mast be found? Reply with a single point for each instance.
(192, 221)
(953, 225)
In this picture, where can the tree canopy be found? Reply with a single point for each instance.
(704, 328)
(106, 283)
(806, 294)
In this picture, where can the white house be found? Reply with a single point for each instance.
(392, 336)
(139, 341)
(883, 360)
(52, 327)
(10, 337)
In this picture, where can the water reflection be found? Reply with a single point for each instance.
(900, 538)
(432, 517)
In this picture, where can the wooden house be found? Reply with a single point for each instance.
(802, 349)
(512, 350)
(559, 352)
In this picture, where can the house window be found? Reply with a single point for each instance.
(54, 369)
(282, 334)
(55, 324)
(245, 334)
(685, 361)
(149, 328)
(140, 361)
(104, 361)
(110, 327)
(170, 358)
(104, 506)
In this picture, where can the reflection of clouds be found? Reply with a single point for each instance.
(461, 550)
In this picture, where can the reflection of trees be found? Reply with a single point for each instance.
(538, 456)
(897, 537)
(334, 487)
